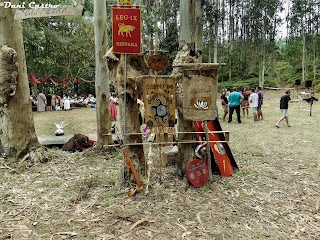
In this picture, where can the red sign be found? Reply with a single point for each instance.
(126, 30)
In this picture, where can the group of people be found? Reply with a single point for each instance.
(49, 102)
(55, 102)
(235, 101)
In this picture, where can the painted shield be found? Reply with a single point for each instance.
(197, 172)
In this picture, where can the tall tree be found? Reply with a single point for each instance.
(17, 132)
(102, 76)
(190, 51)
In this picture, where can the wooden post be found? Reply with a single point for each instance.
(101, 75)
(208, 149)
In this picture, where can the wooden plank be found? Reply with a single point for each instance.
(171, 130)
(177, 142)
(159, 101)
(61, 10)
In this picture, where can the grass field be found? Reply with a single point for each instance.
(79, 120)
(274, 195)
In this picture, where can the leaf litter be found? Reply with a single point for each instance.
(274, 195)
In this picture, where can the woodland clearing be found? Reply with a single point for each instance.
(274, 194)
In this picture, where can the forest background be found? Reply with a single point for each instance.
(266, 43)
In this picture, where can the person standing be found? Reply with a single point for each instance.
(245, 102)
(253, 99)
(224, 103)
(66, 103)
(284, 108)
(49, 107)
(235, 99)
(260, 102)
(41, 102)
(53, 102)
(113, 107)
(141, 110)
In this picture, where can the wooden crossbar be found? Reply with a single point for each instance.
(180, 142)
(128, 134)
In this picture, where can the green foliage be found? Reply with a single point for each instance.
(63, 47)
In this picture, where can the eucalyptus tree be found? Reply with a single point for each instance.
(61, 47)
(190, 51)
(17, 133)
(304, 27)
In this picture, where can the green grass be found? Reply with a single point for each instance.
(80, 120)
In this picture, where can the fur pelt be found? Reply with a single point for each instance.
(136, 66)
(75, 142)
(8, 74)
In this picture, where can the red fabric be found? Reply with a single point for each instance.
(217, 149)
(61, 84)
(35, 80)
(126, 30)
(113, 110)
(245, 95)
(88, 144)
(86, 80)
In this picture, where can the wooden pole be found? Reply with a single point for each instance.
(102, 81)
(125, 109)
(208, 150)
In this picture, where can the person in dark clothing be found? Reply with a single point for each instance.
(49, 107)
(260, 103)
(235, 100)
(284, 108)
(224, 102)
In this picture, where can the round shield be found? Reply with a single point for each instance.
(198, 173)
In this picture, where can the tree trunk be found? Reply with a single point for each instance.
(216, 22)
(17, 132)
(102, 76)
(261, 71)
(136, 66)
(314, 58)
(303, 56)
(190, 51)
(191, 27)
(231, 35)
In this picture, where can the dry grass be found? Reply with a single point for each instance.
(274, 195)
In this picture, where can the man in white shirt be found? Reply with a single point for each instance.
(253, 99)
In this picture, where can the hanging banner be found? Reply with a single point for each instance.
(200, 87)
(159, 95)
(126, 30)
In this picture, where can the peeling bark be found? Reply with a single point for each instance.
(17, 132)
(136, 66)
(190, 51)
